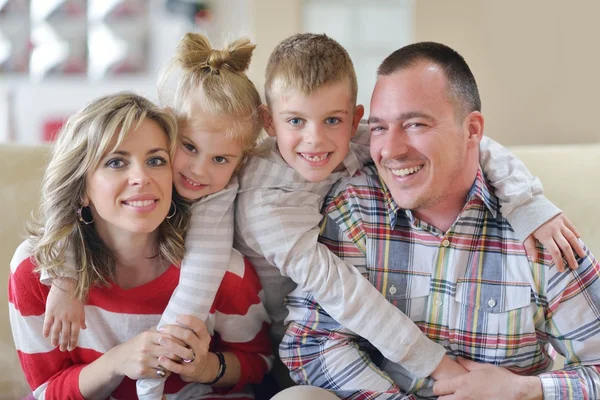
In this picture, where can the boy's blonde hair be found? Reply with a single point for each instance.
(216, 83)
(78, 150)
(306, 62)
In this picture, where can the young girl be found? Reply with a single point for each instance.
(217, 110)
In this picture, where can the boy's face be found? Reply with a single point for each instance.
(313, 132)
(205, 158)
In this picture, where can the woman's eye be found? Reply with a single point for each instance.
(157, 161)
(220, 160)
(295, 121)
(332, 121)
(115, 163)
(189, 147)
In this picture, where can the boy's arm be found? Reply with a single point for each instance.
(284, 228)
(523, 204)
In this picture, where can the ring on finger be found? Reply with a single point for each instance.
(160, 372)
(189, 360)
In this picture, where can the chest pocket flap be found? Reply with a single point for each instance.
(493, 297)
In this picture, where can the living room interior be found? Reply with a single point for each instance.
(534, 62)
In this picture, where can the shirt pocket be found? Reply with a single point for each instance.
(407, 290)
(492, 322)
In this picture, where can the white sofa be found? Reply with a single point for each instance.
(570, 175)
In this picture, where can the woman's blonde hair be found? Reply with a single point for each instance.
(215, 82)
(79, 148)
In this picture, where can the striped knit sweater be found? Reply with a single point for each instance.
(237, 321)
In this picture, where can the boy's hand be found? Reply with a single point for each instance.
(64, 315)
(560, 238)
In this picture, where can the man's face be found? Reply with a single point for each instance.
(417, 144)
(313, 132)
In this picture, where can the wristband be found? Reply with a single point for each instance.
(222, 368)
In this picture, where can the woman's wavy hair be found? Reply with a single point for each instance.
(79, 147)
(215, 82)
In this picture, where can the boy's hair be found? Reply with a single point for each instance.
(215, 82)
(78, 150)
(462, 87)
(306, 62)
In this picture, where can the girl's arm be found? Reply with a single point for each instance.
(208, 245)
(240, 334)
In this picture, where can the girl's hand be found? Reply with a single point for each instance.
(195, 363)
(560, 238)
(64, 316)
(139, 356)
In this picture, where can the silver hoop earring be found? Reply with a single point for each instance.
(174, 208)
(80, 215)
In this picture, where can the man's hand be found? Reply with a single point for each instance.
(488, 382)
(560, 238)
(64, 315)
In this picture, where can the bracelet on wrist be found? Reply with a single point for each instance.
(222, 368)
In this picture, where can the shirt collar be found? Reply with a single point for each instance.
(481, 190)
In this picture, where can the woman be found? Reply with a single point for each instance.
(108, 194)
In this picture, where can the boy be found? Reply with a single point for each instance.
(311, 117)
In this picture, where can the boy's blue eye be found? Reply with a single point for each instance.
(295, 121)
(220, 160)
(332, 121)
(189, 147)
(115, 163)
(157, 161)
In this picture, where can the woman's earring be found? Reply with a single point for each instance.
(82, 212)
(172, 210)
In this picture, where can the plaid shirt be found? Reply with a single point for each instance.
(472, 289)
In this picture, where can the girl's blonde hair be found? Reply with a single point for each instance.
(78, 150)
(215, 82)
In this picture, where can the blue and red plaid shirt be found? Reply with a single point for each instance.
(472, 289)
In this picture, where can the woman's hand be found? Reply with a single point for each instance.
(190, 342)
(138, 357)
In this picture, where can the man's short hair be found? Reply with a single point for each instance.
(462, 86)
(306, 62)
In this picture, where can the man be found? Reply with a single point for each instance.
(426, 228)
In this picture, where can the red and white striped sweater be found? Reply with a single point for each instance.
(238, 323)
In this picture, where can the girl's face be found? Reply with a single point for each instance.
(130, 190)
(205, 158)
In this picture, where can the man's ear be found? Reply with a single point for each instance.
(474, 124)
(267, 119)
(359, 112)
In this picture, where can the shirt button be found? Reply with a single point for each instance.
(491, 303)
(446, 243)
(393, 290)
(439, 302)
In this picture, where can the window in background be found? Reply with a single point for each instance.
(368, 30)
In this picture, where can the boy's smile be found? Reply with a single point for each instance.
(313, 131)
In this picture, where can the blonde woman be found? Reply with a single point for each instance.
(107, 195)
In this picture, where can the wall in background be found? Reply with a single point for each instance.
(536, 63)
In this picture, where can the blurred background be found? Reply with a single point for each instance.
(534, 60)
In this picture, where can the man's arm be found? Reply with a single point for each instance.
(321, 352)
(572, 322)
(573, 328)
(284, 229)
